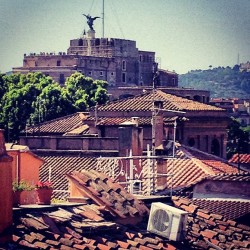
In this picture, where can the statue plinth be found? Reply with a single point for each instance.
(91, 34)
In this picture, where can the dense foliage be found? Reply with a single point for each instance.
(33, 98)
(238, 139)
(221, 82)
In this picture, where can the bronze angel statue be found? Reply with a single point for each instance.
(90, 20)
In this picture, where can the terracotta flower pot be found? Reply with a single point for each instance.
(44, 196)
(24, 197)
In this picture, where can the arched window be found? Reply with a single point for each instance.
(197, 98)
(215, 147)
(191, 142)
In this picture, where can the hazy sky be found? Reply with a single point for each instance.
(185, 34)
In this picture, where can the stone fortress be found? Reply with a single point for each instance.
(128, 70)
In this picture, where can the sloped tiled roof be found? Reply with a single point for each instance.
(58, 126)
(115, 121)
(229, 209)
(239, 177)
(81, 130)
(57, 166)
(192, 165)
(144, 103)
(216, 224)
(105, 192)
(188, 168)
(80, 227)
(244, 158)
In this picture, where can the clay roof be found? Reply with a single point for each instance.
(192, 165)
(81, 130)
(229, 209)
(60, 125)
(89, 226)
(144, 103)
(188, 168)
(80, 227)
(57, 166)
(241, 177)
(105, 192)
(216, 224)
(244, 158)
(116, 121)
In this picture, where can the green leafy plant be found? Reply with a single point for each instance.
(22, 185)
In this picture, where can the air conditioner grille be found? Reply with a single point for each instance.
(160, 220)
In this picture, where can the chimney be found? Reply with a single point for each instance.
(6, 199)
(130, 138)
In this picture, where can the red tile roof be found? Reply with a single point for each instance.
(116, 121)
(75, 227)
(192, 165)
(207, 229)
(105, 192)
(188, 168)
(58, 126)
(57, 166)
(229, 209)
(244, 158)
(170, 102)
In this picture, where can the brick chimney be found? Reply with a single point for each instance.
(6, 199)
(130, 138)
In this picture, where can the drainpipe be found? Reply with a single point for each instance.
(6, 199)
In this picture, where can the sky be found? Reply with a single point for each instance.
(185, 34)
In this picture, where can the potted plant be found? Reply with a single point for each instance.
(44, 192)
(23, 193)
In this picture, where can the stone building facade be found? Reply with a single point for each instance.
(117, 61)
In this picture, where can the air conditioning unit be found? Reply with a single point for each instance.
(167, 221)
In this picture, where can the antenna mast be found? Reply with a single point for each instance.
(102, 18)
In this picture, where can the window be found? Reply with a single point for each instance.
(58, 63)
(173, 81)
(61, 79)
(112, 73)
(123, 65)
(191, 142)
(123, 77)
(90, 73)
(101, 73)
(140, 58)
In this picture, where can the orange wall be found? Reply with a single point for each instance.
(25, 166)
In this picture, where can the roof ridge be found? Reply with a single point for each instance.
(53, 120)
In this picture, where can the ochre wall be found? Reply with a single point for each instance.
(25, 166)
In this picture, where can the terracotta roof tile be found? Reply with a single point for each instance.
(81, 233)
(192, 165)
(116, 121)
(229, 209)
(58, 165)
(59, 125)
(120, 203)
(170, 102)
(244, 158)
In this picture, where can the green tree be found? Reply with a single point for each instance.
(34, 97)
(84, 92)
(238, 139)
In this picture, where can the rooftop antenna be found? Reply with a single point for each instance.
(102, 18)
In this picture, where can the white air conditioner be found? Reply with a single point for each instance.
(167, 221)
